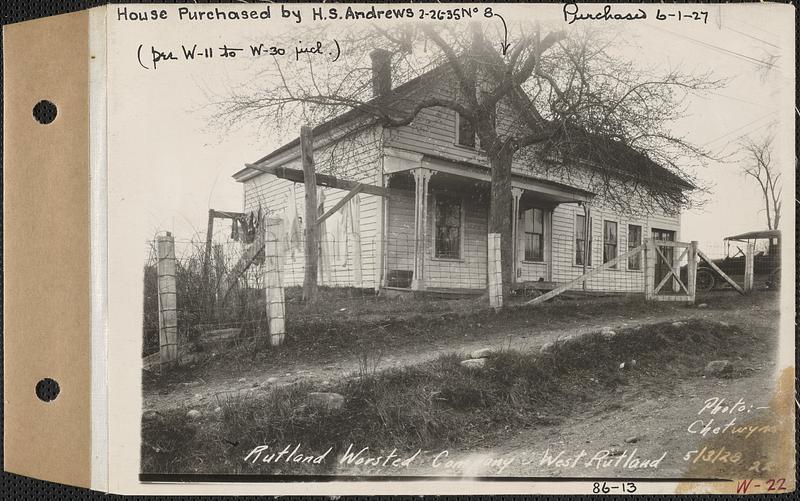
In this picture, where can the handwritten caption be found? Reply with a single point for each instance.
(310, 14)
(150, 58)
(722, 417)
(471, 464)
(573, 13)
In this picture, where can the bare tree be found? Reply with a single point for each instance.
(547, 101)
(759, 166)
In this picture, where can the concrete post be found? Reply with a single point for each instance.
(495, 271)
(167, 300)
(749, 259)
(276, 303)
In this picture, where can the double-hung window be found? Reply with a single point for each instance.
(448, 227)
(533, 230)
(465, 132)
(634, 241)
(609, 241)
(582, 240)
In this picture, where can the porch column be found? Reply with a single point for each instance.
(516, 193)
(587, 237)
(421, 178)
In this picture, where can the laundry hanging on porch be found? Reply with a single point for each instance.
(251, 226)
(235, 229)
(325, 249)
(247, 226)
(336, 238)
(353, 229)
(293, 237)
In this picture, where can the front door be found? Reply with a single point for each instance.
(662, 268)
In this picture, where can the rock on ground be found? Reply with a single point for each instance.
(718, 367)
(326, 400)
(193, 414)
(149, 415)
(607, 332)
(474, 363)
(482, 353)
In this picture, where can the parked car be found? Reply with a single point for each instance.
(766, 262)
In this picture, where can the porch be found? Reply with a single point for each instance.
(436, 229)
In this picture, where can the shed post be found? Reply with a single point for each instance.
(276, 304)
(691, 271)
(219, 277)
(207, 260)
(167, 300)
(749, 258)
(311, 246)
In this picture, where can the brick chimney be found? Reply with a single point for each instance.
(381, 72)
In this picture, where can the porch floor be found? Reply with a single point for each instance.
(441, 292)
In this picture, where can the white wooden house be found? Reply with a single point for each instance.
(440, 196)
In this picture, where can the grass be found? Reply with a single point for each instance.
(322, 333)
(439, 404)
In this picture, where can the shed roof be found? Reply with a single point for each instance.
(756, 234)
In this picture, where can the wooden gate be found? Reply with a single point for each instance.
(666, 279)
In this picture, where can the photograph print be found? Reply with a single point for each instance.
(481, 241)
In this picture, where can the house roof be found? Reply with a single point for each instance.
(596, 149)
(357, 112)
(516, 175)
(593, 149)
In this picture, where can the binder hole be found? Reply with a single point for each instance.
(47, 389)
(45, 112)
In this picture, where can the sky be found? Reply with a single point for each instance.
(169, 165)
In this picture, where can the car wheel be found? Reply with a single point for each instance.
(705, 280)
(774, 281)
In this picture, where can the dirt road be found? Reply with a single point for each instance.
(758, 310)
(616, 437)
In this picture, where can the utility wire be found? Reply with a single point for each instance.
(753, 37)
(723, 50)
(748, 124)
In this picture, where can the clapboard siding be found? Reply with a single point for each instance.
(361, 162)
(619, 279)
(400, 233)
(358, 157)
(469, 271)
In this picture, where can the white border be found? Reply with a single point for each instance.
(98, 213)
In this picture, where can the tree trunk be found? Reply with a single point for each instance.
(500, 213)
